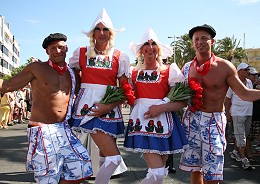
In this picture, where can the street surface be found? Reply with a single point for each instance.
(13, 147)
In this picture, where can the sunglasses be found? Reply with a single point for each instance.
(99, 29)
(146, 43)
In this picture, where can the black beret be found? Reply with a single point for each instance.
(53, 37)
(204, 27)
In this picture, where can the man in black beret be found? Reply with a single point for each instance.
(205, 119)
(204, 27)
(64, 159)
(53, 37)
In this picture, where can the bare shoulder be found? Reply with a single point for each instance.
(225, 65)
(35, 66)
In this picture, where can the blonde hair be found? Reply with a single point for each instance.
(140, 60)
(91, 52)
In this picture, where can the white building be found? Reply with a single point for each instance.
(9, 49)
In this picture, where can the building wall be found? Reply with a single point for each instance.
(10, 49)
(253, 55)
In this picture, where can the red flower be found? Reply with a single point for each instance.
(196, 101)
(128, 92)
(197, 95)
(85, 106)
(154, 72)
(141, 73)
(199, 90)
(193, 109)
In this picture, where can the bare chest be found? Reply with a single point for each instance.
(52, 82)
(214, 79)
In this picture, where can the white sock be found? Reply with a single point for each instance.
(107, 169)
(154, 176)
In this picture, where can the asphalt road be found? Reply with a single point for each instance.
(13, 148)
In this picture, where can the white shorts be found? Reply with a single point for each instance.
(206, 138)
(55, 153)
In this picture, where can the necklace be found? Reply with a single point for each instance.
(204, 68)
(60, 69)
(100, 52)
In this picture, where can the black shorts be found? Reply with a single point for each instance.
(29, 106)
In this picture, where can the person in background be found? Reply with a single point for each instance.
(205, 125)
(5, 110)
(19, 95)
(12, 106)
(28, 101)
(100, 65)
(255, 126)
(54, 154)
(241, 113)
(153, 129)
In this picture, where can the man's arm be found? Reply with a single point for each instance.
(78, 80)
(18, 81)
(239, 88)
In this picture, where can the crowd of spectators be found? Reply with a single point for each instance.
(15, 107)
(244, 118)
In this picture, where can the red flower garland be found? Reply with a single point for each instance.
(196, 100)
(129, 93)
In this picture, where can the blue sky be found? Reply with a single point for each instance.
(31, 20)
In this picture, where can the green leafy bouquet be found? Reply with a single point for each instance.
(181, 91)
(113, 94)
(124, 92)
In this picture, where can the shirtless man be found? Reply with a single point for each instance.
(205, 126)
(54, 154)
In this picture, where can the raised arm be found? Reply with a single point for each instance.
(18, 81)
(239, 88)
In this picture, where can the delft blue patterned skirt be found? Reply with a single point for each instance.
(175, 143)
(113, 128)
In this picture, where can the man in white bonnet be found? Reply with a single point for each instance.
(100, 65)
(153, 129)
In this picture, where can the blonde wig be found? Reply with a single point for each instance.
(91, 52)
(141, 65)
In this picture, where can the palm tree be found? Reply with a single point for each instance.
(240, 54)
(184, 51)
(226, 48)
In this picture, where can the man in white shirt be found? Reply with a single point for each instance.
(241, 113)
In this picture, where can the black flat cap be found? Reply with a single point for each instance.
(53, 37)
(204, 27)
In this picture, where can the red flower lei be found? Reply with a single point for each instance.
(204, 68)
(129, 93)
(196, 100)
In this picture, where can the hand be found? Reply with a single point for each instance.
(100, 109)
(153, 111)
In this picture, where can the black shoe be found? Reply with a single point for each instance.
(252, 159)
(10, 124)
(172, 170)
